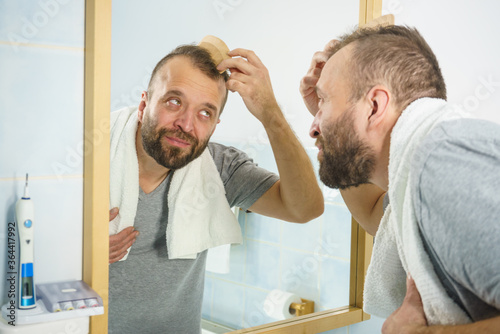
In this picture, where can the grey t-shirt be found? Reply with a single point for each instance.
(457, 204)
(456, 195)
(148, 292)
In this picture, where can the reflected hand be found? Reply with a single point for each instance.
(119, 243)
(250, 78)
(309, 81)
(410, 317)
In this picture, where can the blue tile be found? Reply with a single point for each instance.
(57, 22)
(263, 265)
(227, 305)
(372, 326)
(263, 228)
(300, 274)
(242, 218)
(334, 283)
(206, 306)
(336, 236)
(254, 308)
(302, 236)
(42, 112)
(236, 264)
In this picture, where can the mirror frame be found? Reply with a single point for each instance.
(96, 187)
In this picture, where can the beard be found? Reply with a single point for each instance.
(347, 161)
(169, 156)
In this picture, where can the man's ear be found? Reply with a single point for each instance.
(142, 105)
(378, 98)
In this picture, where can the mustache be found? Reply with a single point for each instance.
(320, 140)
(178, 133)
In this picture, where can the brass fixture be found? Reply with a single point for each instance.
(306, 307)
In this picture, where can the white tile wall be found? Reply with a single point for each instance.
(41, 129)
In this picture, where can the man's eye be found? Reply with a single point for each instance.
(174, 102)
(205, 113)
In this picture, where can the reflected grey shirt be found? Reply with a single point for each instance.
(456, 195)
(148, 292)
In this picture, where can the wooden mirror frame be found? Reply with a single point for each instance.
(96, 187)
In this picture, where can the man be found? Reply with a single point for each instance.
(153, 291)
(386, 134)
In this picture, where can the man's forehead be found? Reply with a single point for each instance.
(333, 71)
(339, 59)
(180, 69)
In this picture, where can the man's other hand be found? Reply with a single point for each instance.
(309, 81)
(119, 243)
(410, 317)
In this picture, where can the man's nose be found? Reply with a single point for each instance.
(314, 131)
(185, 121)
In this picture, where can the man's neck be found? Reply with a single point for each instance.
(381, 174)
(151, 174)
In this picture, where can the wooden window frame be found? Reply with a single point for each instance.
(96, 187)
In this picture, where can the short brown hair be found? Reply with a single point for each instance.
(397, 56)
(200, 58)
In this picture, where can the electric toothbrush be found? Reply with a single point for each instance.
(25, 222)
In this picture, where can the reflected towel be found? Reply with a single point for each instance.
(199, 215)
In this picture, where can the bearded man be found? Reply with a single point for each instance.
(416, 173)
(176, 188)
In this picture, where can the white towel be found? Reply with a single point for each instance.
(398, 248)
(199, 215)
(219, 258)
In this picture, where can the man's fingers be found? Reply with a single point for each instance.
(309, 82)
(123, 244)
(124, 237)
(319, 59)
(113, 213)
(239, 64)
(412, 294)
(238, 76)
(248, 54)
(118, 251)
(236, 86)
(117, 258)
(331, 45)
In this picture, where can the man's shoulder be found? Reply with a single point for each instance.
(223, 154)
(455, 144)
(457, 159)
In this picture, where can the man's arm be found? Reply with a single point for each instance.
(410, 319)
(489, 326)
(297, 196)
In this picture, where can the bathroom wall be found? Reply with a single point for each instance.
(41, 130)
(463, 35)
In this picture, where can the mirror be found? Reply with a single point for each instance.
(311, 260)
